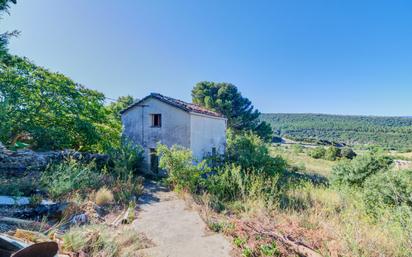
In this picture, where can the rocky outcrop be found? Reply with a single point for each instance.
(21, 162)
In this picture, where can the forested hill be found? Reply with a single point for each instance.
(391, 132)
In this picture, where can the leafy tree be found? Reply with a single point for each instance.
(51, 111)
(120, 104)
(226, 99)
(264, 131)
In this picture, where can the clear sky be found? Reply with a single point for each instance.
(342, 57)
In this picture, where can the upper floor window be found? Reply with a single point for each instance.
(156, 120)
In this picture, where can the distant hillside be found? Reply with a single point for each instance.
(391, 132)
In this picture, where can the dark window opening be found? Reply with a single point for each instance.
(214, 151)
(156, 120)
(154, 161)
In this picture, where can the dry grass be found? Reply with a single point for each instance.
(102, 240)
(103, 196)
(303, 161)
(333, 222)
(336, 224)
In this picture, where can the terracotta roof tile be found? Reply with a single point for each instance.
(189, 107)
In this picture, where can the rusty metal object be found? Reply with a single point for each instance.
(44, 249)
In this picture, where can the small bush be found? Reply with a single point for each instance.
(348, 153)
(389, 189)
(251, 154)
(332, 153)
(127, 159)
(103, 196)
(355, 172)
(318, 152)
(179, 163)
(269, 249)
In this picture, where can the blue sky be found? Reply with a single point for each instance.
(342, 57)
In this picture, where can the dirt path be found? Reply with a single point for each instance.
(175, 230)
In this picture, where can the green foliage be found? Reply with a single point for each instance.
(264, 131)
(179, 163)
(51, 111)
(127, 159)
(348, 153)
(69, 177)
(269, 249)
(249, 172)
(318, 152)
(390, 189)
(120, 104)
(355, 172)
(239, 111)
(252, 155)
(332, 153)
(388, 132)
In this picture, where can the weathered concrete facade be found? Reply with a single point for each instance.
(180, 125)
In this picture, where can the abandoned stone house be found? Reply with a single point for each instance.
(161, 119)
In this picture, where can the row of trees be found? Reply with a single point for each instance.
(390, 132)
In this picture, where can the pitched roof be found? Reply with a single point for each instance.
(188, 107)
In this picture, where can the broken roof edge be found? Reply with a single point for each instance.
(188, 107)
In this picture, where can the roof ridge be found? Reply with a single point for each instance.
(189, 107)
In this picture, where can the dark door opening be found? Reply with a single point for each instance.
(154, 161)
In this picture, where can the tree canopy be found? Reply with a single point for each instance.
(226, 99)
(50, 111)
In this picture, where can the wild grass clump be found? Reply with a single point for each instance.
(104, 196)
(102, 240)
(71, 176)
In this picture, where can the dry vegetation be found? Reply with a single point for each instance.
(329, 220)
(301, 161)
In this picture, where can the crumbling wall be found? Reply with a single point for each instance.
(20, 162)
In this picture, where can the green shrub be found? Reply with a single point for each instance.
(318, 152)
(348, 153)
(389, 189)
(252, 155)
(127, 159)
(355, 172)
(332, 153)
(69, 176)
(179, 163)
(269, 249)
(230, 183)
